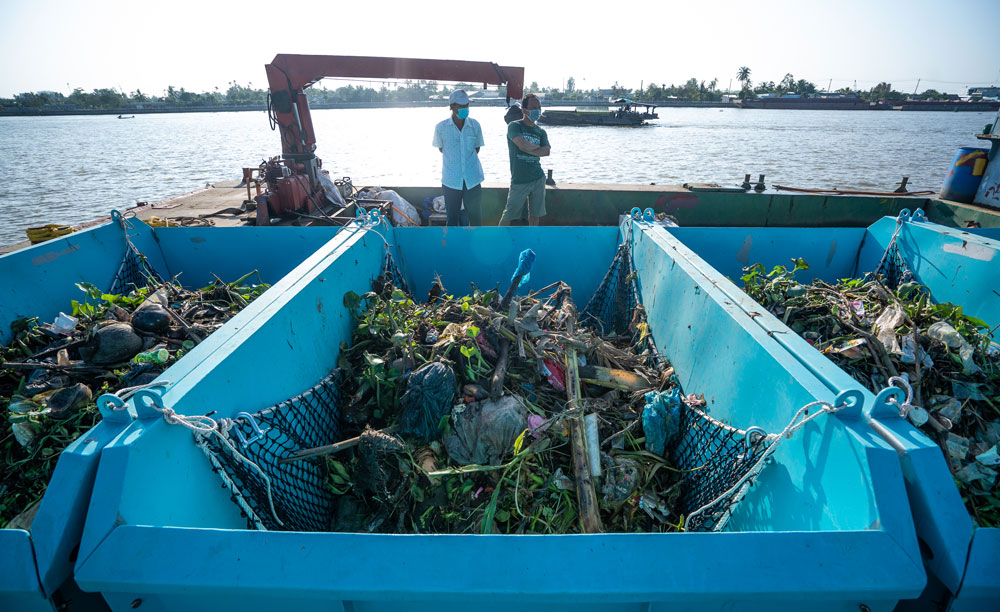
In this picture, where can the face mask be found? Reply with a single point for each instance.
(462, 113)
(533, 115)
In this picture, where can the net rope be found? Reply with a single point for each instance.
(301, 499)
(134, 272)
(892, 267)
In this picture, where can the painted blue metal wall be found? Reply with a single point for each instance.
(830, 252)
(196, 253)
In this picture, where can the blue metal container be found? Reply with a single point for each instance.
(957, 266)
(827, 525)
(40, 281)
(962, 180)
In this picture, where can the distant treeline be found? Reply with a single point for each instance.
(247, 95)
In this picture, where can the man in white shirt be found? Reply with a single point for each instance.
(459, 139)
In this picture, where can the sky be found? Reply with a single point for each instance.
(58, 45)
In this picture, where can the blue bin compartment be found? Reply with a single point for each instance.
(40, 281)
(957, 266)
(827, 525)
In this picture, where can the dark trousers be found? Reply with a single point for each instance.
(473, 199)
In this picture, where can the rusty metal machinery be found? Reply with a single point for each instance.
(293, 181)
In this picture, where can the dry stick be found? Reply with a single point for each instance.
(496, 383)
(590, 518)
(615, 379)
(15, 365)
(329, 449)
(187, 328)
(52, 351)
(235, 296)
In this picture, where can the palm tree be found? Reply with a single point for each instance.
(743, 76)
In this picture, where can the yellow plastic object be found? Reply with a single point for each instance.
(157, 222)
(47, 232)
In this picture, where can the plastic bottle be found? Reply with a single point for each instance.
(157, 356)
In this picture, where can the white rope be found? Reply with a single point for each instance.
(906, 406)
(793, 425)
(205, 425)
(365, 224)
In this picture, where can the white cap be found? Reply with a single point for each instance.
(458, 97)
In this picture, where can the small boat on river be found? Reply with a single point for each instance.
(626, 114)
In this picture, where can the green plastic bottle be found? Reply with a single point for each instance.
(157, 356)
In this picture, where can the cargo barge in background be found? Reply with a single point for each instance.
(627, 114)
(850, 102)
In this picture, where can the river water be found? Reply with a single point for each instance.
(72, 169)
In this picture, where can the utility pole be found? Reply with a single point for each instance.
(730, 90)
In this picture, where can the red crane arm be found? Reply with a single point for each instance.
(289, 75)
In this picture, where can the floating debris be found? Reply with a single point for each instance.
(487, 399)
(875, 333)
(51, 372)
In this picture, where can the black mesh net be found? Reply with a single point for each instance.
(893, 268)
(301, 500)
(719, 456)
(391, 270)
(611, 308)
(133, 273)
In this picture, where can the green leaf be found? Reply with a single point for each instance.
(187, 345)
(339, 468)
(519, 442)
(473, 331)
(398, 296)
(91, 291)
(352, 300)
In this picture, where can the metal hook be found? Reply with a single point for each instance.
(258, 433)
(752, 438)
(904, 216)
(636, 213)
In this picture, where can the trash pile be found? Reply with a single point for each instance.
(51, 373)
(875, 333)
(489, 414)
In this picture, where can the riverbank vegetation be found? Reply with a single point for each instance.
(238, 95)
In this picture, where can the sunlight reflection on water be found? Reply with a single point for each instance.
(73, 169)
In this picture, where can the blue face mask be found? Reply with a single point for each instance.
(533, 115)
(462, 113)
